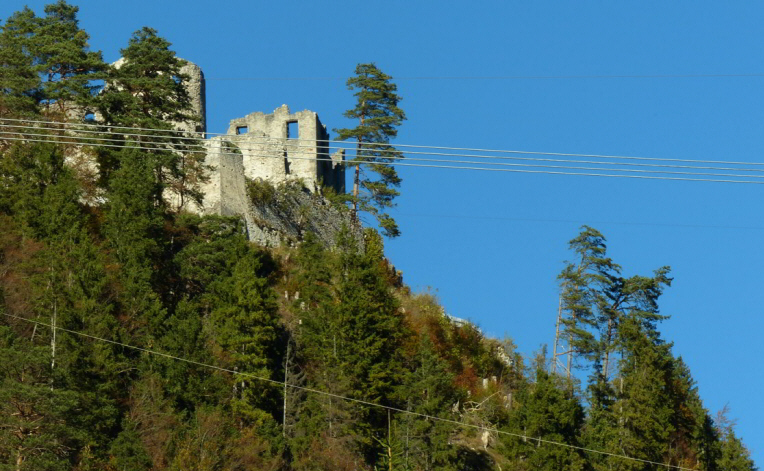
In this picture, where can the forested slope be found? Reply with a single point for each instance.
(135, 336)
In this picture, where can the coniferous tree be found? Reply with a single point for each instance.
(146, 90)
(547, 409)
(70, 72)
(19, 82)
(694, 440)
(734, 454)
(642, 409)
(428, 388)
(38, 430)
(133, 229)
(378, 118)
(586, 285)
(46, 64)
(68, 284)
(247, 329)
(325, 427)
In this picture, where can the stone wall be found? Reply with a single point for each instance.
(259, 147)
(271, 154)
(197, 92)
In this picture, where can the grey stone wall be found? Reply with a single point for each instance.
(259, 147)
(197, 92)
(271, 154)
(293, 211)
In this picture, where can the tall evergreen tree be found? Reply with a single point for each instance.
(46, 64)
(642, 409)
(375, 179)
(69, 70)
(146, 90)
(38, 429)
(247, 329)
(133, 228)
(419, 443)
(585, 288)
(19, 82)
(734, 454)
(549, 411)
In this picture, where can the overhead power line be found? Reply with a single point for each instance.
(346, 398)
(395, 155)
(96, 141)
(351, 145)
(482, 166)
(498, 77)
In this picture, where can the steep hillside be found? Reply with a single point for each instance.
(137, 336)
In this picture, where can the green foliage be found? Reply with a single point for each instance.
(68, 68)
(46, 65)
(39, 429)
(261, 192)
(427, 388)
(547, 410)
(133, 229)
(247, 329)
(375, 179)
(19, 82)
(146, 90)
(734, 455)
(134, 269)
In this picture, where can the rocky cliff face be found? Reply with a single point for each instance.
(275, 213)
(283, 214)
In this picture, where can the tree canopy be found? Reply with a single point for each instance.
(375, 180)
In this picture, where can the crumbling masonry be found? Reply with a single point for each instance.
(278, 148)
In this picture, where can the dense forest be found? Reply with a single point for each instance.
(135, 335)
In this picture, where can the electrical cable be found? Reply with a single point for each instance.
(571, 221)
(346, 398)
(465, 149)
(87, 141)
(454, 167)
(292, 143)
(499, 77)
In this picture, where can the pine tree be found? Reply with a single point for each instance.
(378, 118)
(19, 82)
(133, 228)
(586, 285)
(643, 406)
(546, 409)
(46, 65)
(247, 329)
(39, 428)
(146, 90)
(734, 454)
(597, 298)
(694, 440)
(427, 388)
(70, 72)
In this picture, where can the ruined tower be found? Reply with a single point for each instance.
(285, 146)
(196, 88)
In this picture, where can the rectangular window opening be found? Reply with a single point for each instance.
(242, 129)
(293, 130)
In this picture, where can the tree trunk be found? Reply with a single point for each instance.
(606, 361)
(357, 177)
(356, 181)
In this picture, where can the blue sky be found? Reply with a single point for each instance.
(492, 244)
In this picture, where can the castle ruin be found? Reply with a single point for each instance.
(279, 147)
